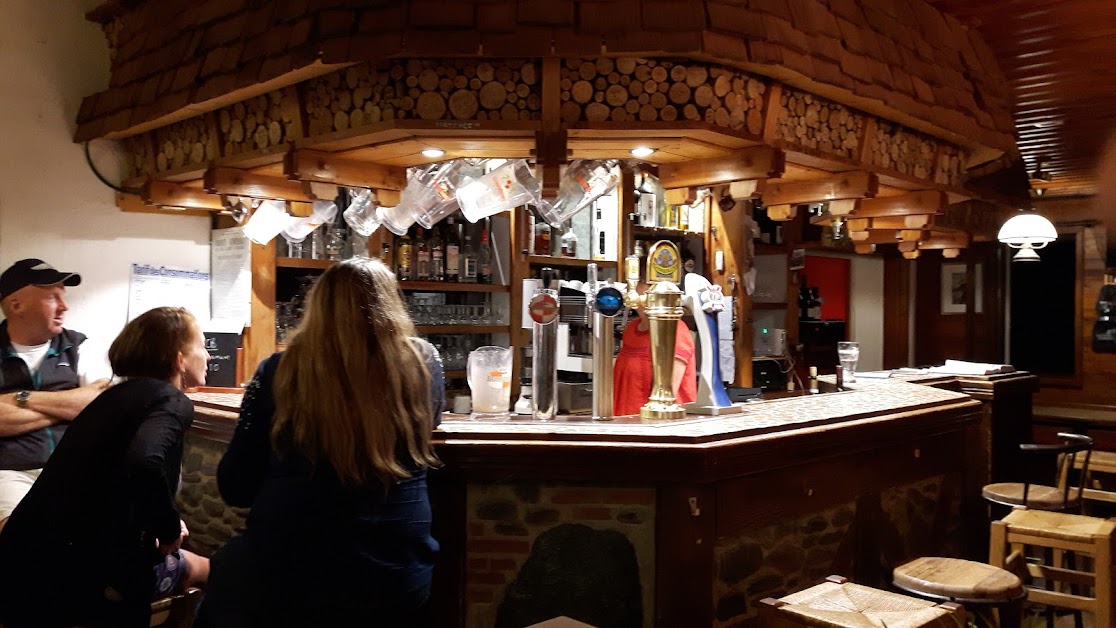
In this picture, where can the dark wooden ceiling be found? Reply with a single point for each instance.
(1058, 57)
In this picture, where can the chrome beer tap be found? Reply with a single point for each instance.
(605, 302)
(544, 360)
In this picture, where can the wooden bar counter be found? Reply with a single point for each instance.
(689, 522)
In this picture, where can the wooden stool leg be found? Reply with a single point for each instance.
(1011, 615)
(1106, 594)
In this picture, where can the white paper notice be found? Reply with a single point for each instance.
(230, 263)
(159, 286)
(724, 335)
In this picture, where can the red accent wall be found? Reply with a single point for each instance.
(831, 276)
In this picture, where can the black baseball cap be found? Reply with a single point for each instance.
(33, 272)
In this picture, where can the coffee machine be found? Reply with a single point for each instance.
(573, 350)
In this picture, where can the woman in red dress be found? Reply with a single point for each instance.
(631, 387)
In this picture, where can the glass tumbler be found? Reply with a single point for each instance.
(848, 353)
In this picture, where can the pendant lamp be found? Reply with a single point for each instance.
(1027, 231)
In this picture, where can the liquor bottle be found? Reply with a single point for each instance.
(468, 270)
(437, 255)
(403, 257)
(684, 217)
(453, 250)
(422, 256)
(569, 242)
(484, 256)
(542, 238)
(387, 250)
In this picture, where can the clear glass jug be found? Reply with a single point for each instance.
(489, 374)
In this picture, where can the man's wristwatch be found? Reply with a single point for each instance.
(21, 398)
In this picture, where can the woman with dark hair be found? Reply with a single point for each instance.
(331, 453)
(99, 536)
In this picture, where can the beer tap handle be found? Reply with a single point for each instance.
(632, 276)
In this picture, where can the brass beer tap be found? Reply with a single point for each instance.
(662, 305)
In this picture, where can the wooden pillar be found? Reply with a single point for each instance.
(726, 235)
(259, 339)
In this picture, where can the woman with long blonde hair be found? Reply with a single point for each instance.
(331, 453)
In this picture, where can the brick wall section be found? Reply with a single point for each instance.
(172, 54)
(505, 519)
(920, 519)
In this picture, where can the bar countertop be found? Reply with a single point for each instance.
(865, 401)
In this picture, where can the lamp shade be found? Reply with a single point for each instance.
(1027, 228)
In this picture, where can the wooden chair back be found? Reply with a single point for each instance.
(1073, 453)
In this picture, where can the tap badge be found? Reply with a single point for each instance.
(663, 263)
(543, 308)
(712, 299)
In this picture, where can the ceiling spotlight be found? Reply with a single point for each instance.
(433, 153)
(642, 151)
(1039, 174)
(726, 202)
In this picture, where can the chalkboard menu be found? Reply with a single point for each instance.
(222, 359)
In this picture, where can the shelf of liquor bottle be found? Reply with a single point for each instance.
(549, 260)
(462, 329)
(301, 262)
(767, 305)
(661, 233)
(450, 286)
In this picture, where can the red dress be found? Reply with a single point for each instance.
(631, 386)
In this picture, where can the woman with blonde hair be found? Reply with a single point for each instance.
(331, 453)
(99, 535)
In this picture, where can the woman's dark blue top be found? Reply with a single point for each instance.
(313, 537)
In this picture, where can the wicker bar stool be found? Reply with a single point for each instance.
(1066, 537)
(839, 603)
(980, 587)
(176, 611)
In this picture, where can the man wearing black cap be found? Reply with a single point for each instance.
(41, 387)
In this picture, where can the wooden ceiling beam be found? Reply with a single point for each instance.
(757, 162)
(946, 240)
(680, 196)
(878, 236)
(167, 194)
(311, 165)
(236, 182)
(892, 223)
(840, 186)
(134, 204)
(915, 203)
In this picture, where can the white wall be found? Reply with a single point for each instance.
(866, 308)
(866, 311)
(51, 205)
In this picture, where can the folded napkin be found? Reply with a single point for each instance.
(960, 367)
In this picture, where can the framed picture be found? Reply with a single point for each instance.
(798, 259)
(955, 287)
